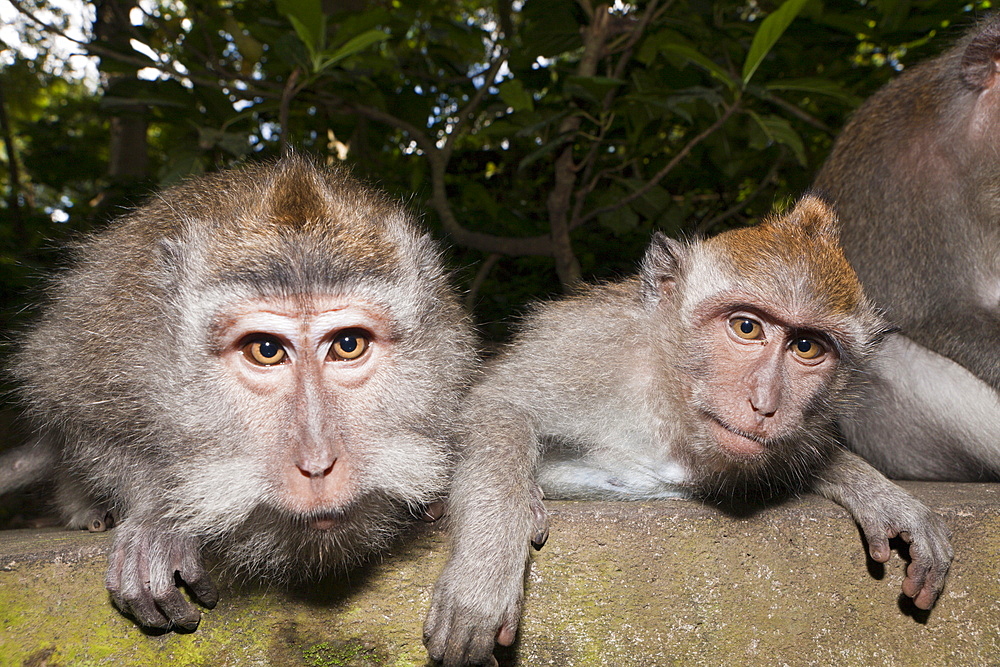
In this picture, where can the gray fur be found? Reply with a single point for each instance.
(139, 416)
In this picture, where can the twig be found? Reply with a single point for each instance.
(674, 161)
(477, 283)
(704, 226)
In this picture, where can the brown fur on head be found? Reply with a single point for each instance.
(796, 251)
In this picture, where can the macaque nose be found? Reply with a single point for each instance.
(315, 470)
(763, 405)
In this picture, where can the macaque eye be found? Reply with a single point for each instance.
(806, 348)
(746, 328)
(264, 351)
(349, 344)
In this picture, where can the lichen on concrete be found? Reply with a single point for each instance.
(618, 584)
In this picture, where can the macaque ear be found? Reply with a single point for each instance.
(981, 60)
(660, 266)
(814, 216)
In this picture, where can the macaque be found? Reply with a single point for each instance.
(915, 177)
(260, 368)
(716, 373)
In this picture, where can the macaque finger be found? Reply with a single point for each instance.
(878, 545)
(177, 608)
(202, 587)
(194, 575)
(478, 651)
(433, 511)
(540, 538)
(132, 596)
(507, 633)
(926, 574)
(540, 519)
(101, 522)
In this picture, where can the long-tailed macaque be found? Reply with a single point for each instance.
(718, 372)
(915, 177)
(261, 366)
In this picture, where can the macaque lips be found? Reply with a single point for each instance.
(324, 522)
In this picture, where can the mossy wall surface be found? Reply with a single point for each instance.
(664, 583)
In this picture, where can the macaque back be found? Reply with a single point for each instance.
(262, 364)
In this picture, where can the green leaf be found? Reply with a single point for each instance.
(768, 33)
(779, 130)
(307, 17)
(513, 94)
(817, 86)
(701, 61)
(353, 45)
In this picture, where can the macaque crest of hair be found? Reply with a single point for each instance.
(796, 253)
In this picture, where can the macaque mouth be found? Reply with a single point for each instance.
(327, 521)
(735, 441)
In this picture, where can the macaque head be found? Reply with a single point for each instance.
(775, 329)
(323, 355)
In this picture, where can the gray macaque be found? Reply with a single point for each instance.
(261, 366)
(915, 177)
(717, 373)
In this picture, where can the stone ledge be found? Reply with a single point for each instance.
(659, 583)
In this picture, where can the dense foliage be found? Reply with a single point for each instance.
(542, 139)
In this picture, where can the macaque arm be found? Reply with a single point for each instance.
(143, 562)
(883, 510)
(495, 510)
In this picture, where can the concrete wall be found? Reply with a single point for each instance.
(664, 583)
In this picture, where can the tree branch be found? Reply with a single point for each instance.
(477, 283)
(658, 176)
(513, 246)
(466, 114)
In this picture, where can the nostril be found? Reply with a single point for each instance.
(315, 471)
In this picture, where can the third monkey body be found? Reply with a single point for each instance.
(717, 372)
(914, 177)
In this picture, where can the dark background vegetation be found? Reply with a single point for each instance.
(541, 140)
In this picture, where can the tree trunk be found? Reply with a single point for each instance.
(129, 149)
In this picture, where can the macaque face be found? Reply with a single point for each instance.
(760, 386)
(306, 372)
(762, 375)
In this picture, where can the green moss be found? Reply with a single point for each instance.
(342, 654)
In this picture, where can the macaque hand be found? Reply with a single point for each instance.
(930, 549)
(142, 567)
(476, 604)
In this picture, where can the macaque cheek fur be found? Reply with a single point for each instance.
(261, 510)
